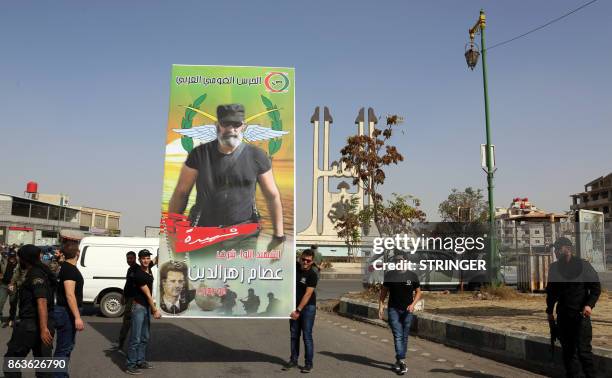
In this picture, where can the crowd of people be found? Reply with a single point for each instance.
(49, 298)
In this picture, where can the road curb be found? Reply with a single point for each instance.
(519, 349)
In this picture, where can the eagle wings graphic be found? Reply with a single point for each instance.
(252, 133)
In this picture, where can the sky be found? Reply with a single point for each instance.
(84, 92)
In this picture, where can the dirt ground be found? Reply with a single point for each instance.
(522, 312)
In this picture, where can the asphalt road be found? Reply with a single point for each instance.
(258, 348)
(333, 289)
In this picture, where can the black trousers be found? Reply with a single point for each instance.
(26, 338)
(575, 334)
(127, 321)
(13, 306)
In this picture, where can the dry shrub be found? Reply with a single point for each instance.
(500, 292)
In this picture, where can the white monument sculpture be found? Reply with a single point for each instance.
(323, 233)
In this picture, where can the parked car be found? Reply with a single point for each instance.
(102, 264)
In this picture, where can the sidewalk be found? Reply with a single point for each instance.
(519, 349)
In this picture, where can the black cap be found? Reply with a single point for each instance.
(562, 241)
(29, 253)
(144, 253)
(230, 113)
(12, 253)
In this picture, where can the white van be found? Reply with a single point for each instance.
(102, 264)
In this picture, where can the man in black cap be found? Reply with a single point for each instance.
(574, 286)
(36, 295)
(142, 308)
(225, 173)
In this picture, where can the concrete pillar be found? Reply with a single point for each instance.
(312, 228)
(327, 121)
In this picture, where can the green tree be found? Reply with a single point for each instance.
(464, 206)
(400, 214)
(368, 156)
(348, 224)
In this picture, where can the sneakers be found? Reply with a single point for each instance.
(396, 366)
(144, 365)
(133, 371)
(402, 368)
(306, 369)
(290, 365)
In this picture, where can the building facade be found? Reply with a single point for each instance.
(32, 220)
(523, 226)
(28, 221)
(99, 221)
(597, 196)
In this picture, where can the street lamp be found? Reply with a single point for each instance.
(471, 55)
(471, 58)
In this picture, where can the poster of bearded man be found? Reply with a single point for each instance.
(228, 192)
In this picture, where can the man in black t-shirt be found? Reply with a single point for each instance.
(129, 290)
(303, 317)
(404, 291)
(142, 308)
(225, 173)
(36, 294)
(67, 314)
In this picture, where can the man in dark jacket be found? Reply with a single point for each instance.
(574, 286)
(35, 330)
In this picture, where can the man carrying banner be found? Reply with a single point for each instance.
(129, 292)
(225, 173)
(303, 317)
(142, 308)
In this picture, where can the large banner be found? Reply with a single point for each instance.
(227, 225)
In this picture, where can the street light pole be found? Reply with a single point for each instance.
(472, 59)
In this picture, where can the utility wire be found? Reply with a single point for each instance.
(542, 26)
